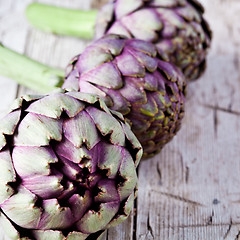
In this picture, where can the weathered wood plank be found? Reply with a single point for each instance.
(191, 190)
(191, 185)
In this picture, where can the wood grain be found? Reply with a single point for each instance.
(190, 191)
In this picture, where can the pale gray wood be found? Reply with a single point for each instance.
(190, 190)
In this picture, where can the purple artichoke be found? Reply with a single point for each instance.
(176, 27)
(128, 74)
(68, 168)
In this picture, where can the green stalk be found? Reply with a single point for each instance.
(62, 21)
(28, 72)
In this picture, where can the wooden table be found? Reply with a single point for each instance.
(191, 190)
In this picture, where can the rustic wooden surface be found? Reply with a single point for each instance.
(191, 190)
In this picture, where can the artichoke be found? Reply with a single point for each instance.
(68, 167)
(128, 74)
(176, 27)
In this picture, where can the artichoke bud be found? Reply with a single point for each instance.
(68, 167)
(178, 29)
(145, 89)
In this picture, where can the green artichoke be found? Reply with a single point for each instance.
(68, 168)
(128, 74)
(176, 27)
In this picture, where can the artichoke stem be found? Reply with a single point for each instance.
(62, 21)
(29, 73)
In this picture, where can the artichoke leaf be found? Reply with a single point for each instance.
(124, 7)
(17, 103)
(102, 120)
(189, 13)
(76, 236)
(9, 122)
(47, 235)
(38, 130)
(143, 24)
(8, 125)
(71, 81)
(147, 61)
(143, 46)
(21, 209)
(128, 207)
(108, 191)
(167, 3)
(31, 161)
(133, 91)
(52, 106)
(67, 150)
(171, 17)
(128, 173)
(9, 229)
(44, 186)
(94, 221)
(7, 175)
(112, 43)
(106, 75)
(81, 129)
(80, 204)
(135, 143)
(119, 28)
(87, 87)
(110, 159)
(129, 65)
(54, 216)
(92, 57)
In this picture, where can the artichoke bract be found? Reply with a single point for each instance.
(68, 167)
(128, 74)
(176, 27)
